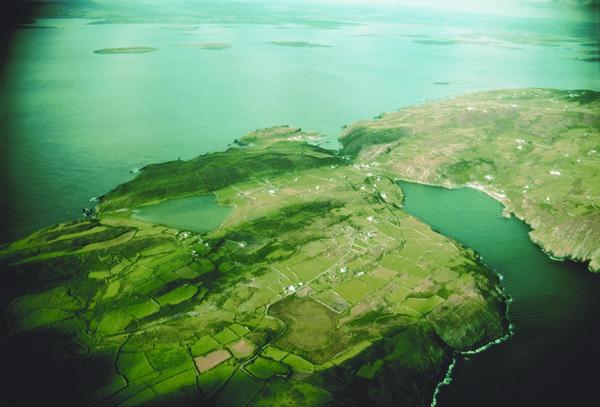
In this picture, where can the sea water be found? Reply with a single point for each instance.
(75, 123)
(549, 359)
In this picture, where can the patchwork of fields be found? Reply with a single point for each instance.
(317, 289)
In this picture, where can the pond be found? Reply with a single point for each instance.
(195, 213)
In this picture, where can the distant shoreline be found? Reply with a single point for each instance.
(125, 50)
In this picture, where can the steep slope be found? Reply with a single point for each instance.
(535, 150)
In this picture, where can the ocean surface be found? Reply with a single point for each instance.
(552, 356)
(74, 123)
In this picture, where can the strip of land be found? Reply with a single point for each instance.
(299, 44)
(125, 50)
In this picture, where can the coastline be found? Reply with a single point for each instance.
(505, 201)
(447, 379)
(433, 357)
(507, 300)
(507, 324)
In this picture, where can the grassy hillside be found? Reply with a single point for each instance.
(535, 150)
(317, 290)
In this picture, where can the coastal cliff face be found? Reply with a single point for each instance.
(535, 150)
(318, 289)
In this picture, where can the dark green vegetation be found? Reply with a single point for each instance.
(126, 50)
(317, 289)
(535, 150)
(359, 138)
(215, 171)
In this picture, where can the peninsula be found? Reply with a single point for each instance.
(316, 289)
(293, 275)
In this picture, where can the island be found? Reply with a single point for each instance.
(210, 46)
(298, 44)
(125, 50)
(278, 272)
(435, 42)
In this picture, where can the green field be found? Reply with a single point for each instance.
(265, 369)
(314, 276)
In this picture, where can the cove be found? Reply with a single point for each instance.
(196, 213)
(552, 355)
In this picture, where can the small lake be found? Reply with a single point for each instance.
(196, 213)
(550, 359)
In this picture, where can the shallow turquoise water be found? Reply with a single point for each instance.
(195, 213)
(551, 358)
(74, 123)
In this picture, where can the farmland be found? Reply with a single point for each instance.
(305, 282)
(316, 273)
(535, 150)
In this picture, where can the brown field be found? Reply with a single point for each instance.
(205, 363)
(241, 348)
